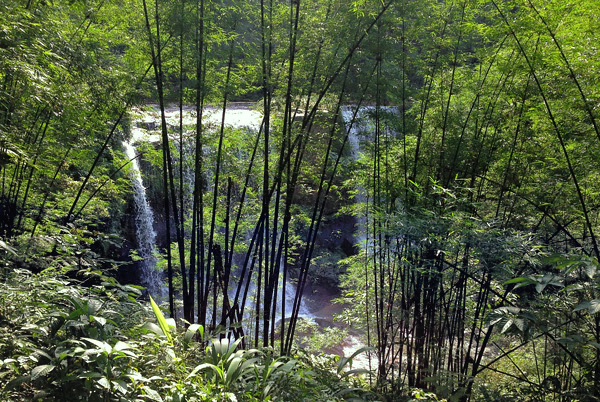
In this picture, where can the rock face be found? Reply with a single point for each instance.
(337, 235)
(335, 242)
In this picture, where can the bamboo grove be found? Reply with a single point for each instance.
(206, 271)
(463, 133)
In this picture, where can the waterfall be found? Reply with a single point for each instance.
(290, 293)
(356, 128)
(150, 277)
(145, 128)
(363, 126)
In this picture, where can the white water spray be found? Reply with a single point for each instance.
(356, 128)
(144, 230)
(363, 126)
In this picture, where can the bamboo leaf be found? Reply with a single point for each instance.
(99, 320)
(16, 382)
(162, 322)
(119, 386)
(132, 289)
(582, 306)
(102, 346)
(191, 332)
(540, 287)
(593, 306)
(521, 324)
(120, 345)
(151, 394)
(355, 371)
(152, 327)
(595, 345)
(7, 247)
(519, 280)
(104, 382)
(590, 270)
(91, 374)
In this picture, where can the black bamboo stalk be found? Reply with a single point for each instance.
(165, 142)
(197, 231)
(217, 174)
(266, 53)
(181, 154)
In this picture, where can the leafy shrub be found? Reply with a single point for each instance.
(62, 341)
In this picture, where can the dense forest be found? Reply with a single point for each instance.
(423, 169)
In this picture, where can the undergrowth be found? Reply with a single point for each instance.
(60, 340)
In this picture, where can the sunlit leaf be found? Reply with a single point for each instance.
(41, 371)
(162, 322)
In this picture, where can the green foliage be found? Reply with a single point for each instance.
(162, 322)
(315, 338)
(62, 336)
(487, 163)
(61, 340)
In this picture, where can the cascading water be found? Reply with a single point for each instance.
(290, 293)
(145, 130)
(362, 123)
(145, 234)
(356, 127)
